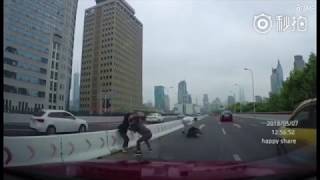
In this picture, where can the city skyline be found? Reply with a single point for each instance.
(213, 59)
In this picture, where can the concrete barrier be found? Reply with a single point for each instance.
(32, 150)
(84, 146)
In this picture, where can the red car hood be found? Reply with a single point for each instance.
(160, 170)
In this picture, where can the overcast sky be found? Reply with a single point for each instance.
(208, 43)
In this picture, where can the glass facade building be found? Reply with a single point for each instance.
(38, 51)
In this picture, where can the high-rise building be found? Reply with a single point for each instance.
(76, 92)
(38, 51)
(276, 79)
(159, 98)
(189, 100)
(167, 103)
(258, 99)
(182, 92)
(231, 100)
(111, 71)
(205, 103)
(298, 62)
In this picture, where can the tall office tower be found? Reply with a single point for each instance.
(111, 70)
(76, 92)
(167, 103)
(38, 51)
(276, 79)
(298, 62)
(159, 98)
(205, 102)
(182, 92)
(231, 100)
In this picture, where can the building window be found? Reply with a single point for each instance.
(57, 58)
(57, 66)
(53, 54)
(50, 98)
(11, 50)
(54, 98)
(41, 94)
(56, 75)
(51, 84)
(55, 86)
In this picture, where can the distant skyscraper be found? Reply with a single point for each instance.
(76, 92)
(182, 92)
(258, 99)
(276, 79)
(159, 97)
(167, 103)
(205, 102)
(111, 70)
(298, 62)
(37, 54)
(231, 100)
(189, 101)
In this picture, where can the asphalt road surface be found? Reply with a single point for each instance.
(236, 141)
(22, 128)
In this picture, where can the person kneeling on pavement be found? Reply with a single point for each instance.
(194, 131)
(137, 125)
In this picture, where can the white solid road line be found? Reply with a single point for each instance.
(237, 125)
(236, 157)
(223, 131)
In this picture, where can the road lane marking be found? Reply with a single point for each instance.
(237, 125)
(223, 131)
(236, 157)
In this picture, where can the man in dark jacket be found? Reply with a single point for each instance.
(123, 128)
(137, 125)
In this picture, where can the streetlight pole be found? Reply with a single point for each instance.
(254, 105)
(239, 95)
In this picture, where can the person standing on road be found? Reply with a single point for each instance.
(123, 128)
(187, 122)
(137, 125)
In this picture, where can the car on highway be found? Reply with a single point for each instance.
(57, 121)
(301, 127)
(226, 116)
(154, 118)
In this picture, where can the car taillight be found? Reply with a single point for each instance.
(40, 120)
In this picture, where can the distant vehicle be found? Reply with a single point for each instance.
(154, 118)
(226, 116)
(57, 121)
(301, 127)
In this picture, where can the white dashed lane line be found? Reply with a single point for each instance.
(236, 157)
(223, 131)
(237, 125)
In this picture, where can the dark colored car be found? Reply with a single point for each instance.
(226, 116)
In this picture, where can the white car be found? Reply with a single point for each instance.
(154, 117)
(57, 121)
